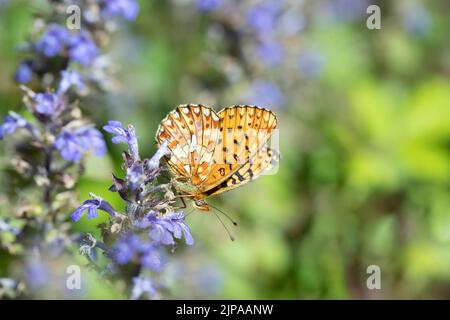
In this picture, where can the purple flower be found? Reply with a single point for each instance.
(126, 248)
(207, 5)
(142, 285)
(36, 274)
(123, 135)
(152, 259)
(209, 279)
(271, 53)
(262, 17)
(135, 175)
(71, 144)
(292, 22)
(24, 72)
(131, 246)
(46, 103)
(167, 227)
(92, 206)
(310, 63)
(153, 163)
(82, 48)
(417, 21)
(53, 40)
(348, 10)
(266, 93)
(336, 11)
(128, 9)
(12, 122)
(68, 79)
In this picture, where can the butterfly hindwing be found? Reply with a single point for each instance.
(244, 130)
(262, 162)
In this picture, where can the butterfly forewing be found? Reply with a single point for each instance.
(191, 131)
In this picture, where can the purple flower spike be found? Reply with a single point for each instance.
(92, 206)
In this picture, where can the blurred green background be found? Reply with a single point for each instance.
(364, 120)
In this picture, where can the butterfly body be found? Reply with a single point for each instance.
(211, 153)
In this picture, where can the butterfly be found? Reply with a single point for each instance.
(211, 153)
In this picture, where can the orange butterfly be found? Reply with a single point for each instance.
(215, 152)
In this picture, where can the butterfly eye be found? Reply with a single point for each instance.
(200, 202)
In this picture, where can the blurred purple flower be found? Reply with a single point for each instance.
(271, 53)
(36, 274)
(142, 285)
(82, 48)
(46, 103)
(167, 227)
(71, 144)
(310, 62)
(12, 122)
(125, 248)
(92, 206)
(128, 9)
(209, 280)
(292, 22)
(123, 135)
(151, 258)
(24, 72)
(330, 12)
(266, 93)
(131, 246)
(68, 79)
(417, 21)
(207, 5)
(349, 10)
(262, 17)
(53, 40)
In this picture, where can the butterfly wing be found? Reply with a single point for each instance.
(244, 130)
(262, 162)
(191, 131)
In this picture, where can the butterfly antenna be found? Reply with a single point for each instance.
(223, 224)
(226, 215)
